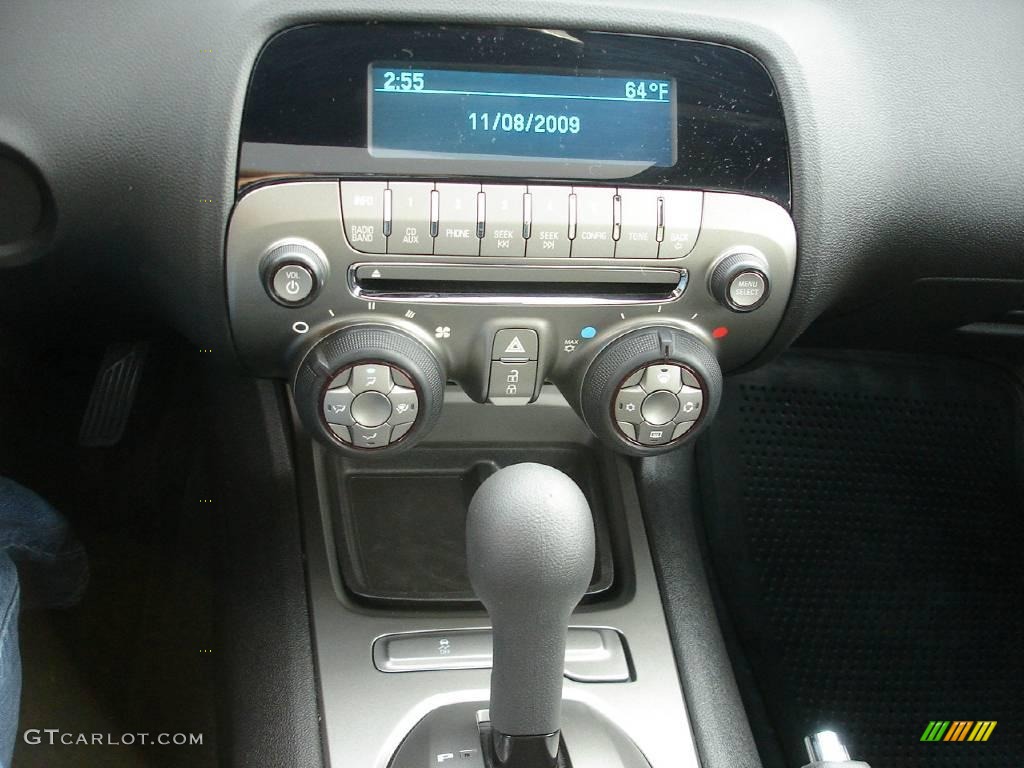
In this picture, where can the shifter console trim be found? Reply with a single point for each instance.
(592, 654)
(367, 714)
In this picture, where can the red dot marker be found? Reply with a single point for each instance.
(720, 332)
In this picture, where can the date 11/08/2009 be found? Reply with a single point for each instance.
(523, 122)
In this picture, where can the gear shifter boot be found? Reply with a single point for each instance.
(530, 552)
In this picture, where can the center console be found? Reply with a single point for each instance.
(459, 236)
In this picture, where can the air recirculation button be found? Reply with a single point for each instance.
(367, 407)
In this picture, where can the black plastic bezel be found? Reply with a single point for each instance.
(306, 109)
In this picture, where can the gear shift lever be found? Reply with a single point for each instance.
(530, 552)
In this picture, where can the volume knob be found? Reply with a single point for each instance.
(739, 281)
(293, 272)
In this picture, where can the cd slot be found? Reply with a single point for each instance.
(516, 283)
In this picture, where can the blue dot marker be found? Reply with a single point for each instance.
(589, 332)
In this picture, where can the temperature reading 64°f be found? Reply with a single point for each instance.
(647, 90)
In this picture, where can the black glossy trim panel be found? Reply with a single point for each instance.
(306, 109)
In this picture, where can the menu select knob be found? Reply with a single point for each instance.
(739, 281)
(294, 272)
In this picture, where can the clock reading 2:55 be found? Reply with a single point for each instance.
(403, 81)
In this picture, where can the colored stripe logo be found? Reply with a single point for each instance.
(958, 730)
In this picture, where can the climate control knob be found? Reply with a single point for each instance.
(369, 389)
(650, 390)
(740, 282)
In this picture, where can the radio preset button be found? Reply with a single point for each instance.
(503, 221)
(410, 217)
(456, 229)
(682, 222)
(549, 229)
(362, 210)
(593, 223)
(638, 234)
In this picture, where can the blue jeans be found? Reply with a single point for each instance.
(33, 533)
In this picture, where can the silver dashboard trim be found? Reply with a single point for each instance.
(559, 273)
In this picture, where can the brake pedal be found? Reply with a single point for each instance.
(113, 395)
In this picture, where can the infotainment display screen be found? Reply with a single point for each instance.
(441, 111)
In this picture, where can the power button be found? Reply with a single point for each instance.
(292, 283)
(293, 273)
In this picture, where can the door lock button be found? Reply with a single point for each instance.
(512, 383)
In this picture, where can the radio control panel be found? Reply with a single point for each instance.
(516, 220)
(454, 263)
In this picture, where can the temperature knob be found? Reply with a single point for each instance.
(651, 390)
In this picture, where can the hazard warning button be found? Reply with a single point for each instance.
(512, 344)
